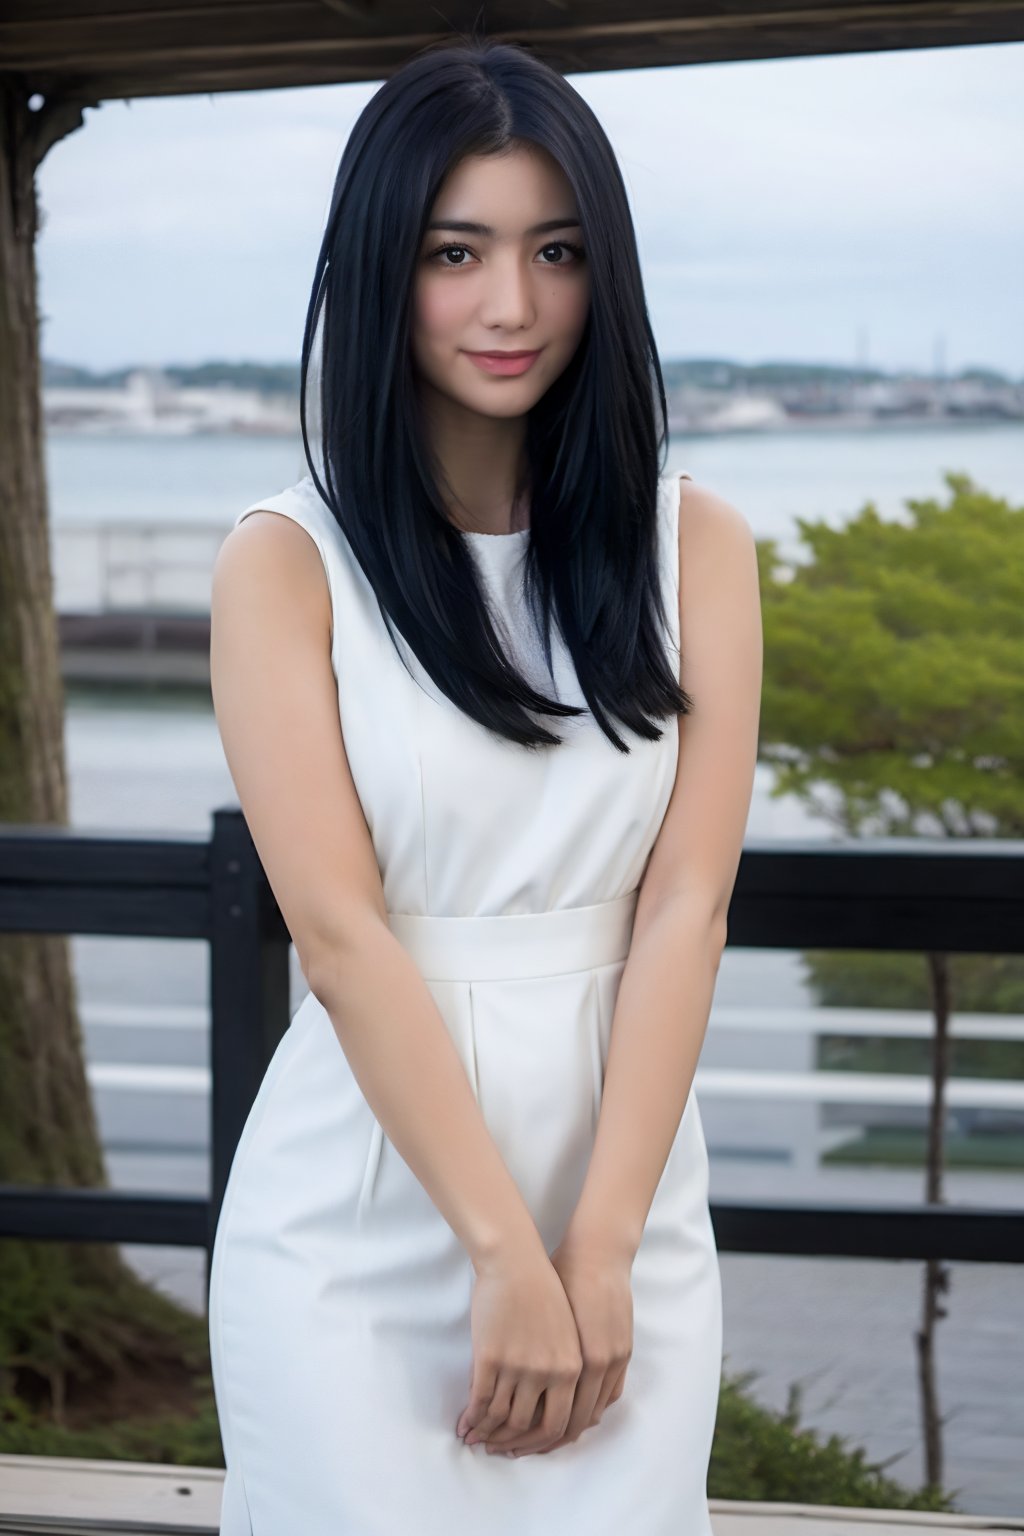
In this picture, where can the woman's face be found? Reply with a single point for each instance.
(518, 288)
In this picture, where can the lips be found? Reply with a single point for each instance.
(504, 362)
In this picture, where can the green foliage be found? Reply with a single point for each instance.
(906, 1147)
(894, 668)
(268, 378)
(999, 1061)
(853, 978)
(169, 1439)
(761, 1455)
(78, 1324)
(894, 679)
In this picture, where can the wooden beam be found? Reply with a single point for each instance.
(99, 49)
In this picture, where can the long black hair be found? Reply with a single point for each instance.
(592, 440)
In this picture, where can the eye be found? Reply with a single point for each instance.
(566, 245)
(443, 250)
(552, 245)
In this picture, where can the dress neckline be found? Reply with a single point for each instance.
(473, 533)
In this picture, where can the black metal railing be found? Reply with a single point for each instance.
(57, 881)
(887, 894)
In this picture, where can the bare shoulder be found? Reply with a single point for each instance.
(716, 542)
(696, 854)
(278, 711)
(268, 562)
(707, 518)
(719, 590)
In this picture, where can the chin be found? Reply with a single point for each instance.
(511, 406)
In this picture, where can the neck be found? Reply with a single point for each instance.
(480, 463)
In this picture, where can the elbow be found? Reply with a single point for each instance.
(701, 921)
(329, 959)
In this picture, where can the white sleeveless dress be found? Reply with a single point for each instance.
(339, 1305)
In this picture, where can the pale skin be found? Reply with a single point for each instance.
(551, 1335)
(510, 291)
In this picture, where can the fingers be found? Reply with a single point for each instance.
(513, 1402)
(555, 1428)
(619, 1383)
(483, 1384)
(611, 1391)
(530, 1410)
(527, 1404)
(544, 1427)
(506, 1425)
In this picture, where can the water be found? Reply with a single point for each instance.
(771, 477)
(844, 1328)
(192, 480)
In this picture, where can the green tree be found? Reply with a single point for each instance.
(896, 673)
(892, 706)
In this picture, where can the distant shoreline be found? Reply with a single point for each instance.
(679, 429)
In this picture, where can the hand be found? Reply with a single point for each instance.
(526, 1352)
(596, 1279)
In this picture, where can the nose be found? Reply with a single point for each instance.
(508, 300)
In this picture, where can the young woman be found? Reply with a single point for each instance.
(488, 685)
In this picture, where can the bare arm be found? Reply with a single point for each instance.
(276, 702)
(679, 932)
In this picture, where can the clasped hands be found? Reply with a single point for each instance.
(552, 1340)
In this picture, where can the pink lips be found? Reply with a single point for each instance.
(503, 362)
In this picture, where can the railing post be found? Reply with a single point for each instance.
(249, 992)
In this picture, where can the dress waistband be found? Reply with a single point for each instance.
(517, 944)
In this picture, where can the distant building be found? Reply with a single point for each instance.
(150, 403)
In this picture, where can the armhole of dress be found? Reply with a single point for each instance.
(672, 552)
(283, 504)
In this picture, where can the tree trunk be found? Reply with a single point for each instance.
(82, 1338)
(936, 1274)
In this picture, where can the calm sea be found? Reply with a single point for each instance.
(772, 477)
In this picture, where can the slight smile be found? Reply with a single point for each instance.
(504, 362)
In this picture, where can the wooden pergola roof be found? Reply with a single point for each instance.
(94, 50)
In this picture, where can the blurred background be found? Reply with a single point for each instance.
(833, 251)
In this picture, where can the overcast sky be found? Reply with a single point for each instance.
(836, 210)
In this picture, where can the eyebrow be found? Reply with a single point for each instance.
(467, 227)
